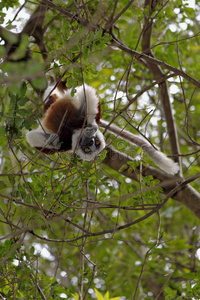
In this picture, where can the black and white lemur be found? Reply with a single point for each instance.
(69, 123)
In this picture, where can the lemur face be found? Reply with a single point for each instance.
(91, 143)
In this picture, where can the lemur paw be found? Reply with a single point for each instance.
(54, 141)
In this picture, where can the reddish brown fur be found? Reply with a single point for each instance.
(56, 113)
(62, 86)
(98, 116)
(63, 118)
(51, 99)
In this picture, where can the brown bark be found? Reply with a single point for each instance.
(187, 195)
(163, 87)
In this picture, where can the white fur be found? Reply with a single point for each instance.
(88, 94)
(37, 138)
(160, 159)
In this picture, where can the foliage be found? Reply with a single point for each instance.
(72, 229)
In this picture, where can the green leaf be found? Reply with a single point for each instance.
(32, 250)
(7, 244)
(39, 83)
(23, 89)
(2, 185)
(21, 50)
(170, 292)
(198, 274)
(189, 276)
(2, 131)
(123, 168)
(76, 296)
(99, 295)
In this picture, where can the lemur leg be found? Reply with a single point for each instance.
(54, 141)
(39, 139)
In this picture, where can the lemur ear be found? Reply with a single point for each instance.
(62, 84)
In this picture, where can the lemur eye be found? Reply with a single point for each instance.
(86, 149)
(97, 142)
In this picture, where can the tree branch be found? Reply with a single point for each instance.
(188, 196)
(119, 44)
(160, 159)
(34, 27)
(164, 94)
